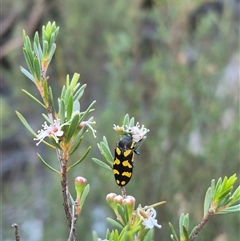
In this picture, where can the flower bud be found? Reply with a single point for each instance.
(80, 183)
(110, 200)
(118, 199)
(129, 202)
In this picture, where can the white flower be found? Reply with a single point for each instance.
(88, 124)
(148, 217)
(138, 133)
(53, 130)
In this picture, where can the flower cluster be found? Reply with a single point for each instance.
(145, 217)
(137, 132)
(54, 130)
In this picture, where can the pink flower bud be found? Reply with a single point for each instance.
(118, 199)
(129, 202)
(80, 183)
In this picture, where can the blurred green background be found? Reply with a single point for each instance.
(173, 65)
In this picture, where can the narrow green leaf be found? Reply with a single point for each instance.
(26, 73)
(74, 80)
(79, 93)
(173, 232)
(54, 143)
(63, 92)
(94, 236)
(37, 68)
(76, 143)
(126, 120)
(193, 230)
(149, 235)
(25, 123)
(72, 127)
(87, 111)
(51, 101)
(102, 164)
(51, 52)
(185, 233)
(207, 201)
(69, 107)
(61, 111)
(84, 194)
(81, 159)
(115, 223)
(47, 165)
(213, 186)
(76, 87)
(181, 224)
(105, 151)
(121, 213)
(29, 59)
(76, 106)
(132, 121)
(46, 118)
(235, 196)
(225, 192)
(217, 188)
(186, 221)
(34, 98)
(232, 209)
(45, 49)
(45, 91)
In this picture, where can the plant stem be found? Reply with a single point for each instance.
(15, 226)
(200, 225)
(66, 199)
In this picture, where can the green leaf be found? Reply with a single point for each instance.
(73, 126)
(34, 98)
(126, 120)
(115, 223)
(185, 233)
(45, 49)
(74, 80)
(173, 232)
(87, 111)
(235, 196)
(25, 123)
(37, 68)
(45, 91)
(51, 101)
(94, 236)
(224, 193)
(84, 194)
(102, 164)
(26, 73)
(207, 201)
(61, 111)
(132, 121)
(28, 55)
(47, 165)
(149, 235)
(79, 93)
(76, 143)
(121, 213)
(69, 107)
(186, 221)
(193, 230)
(81, 159)
(54, 143)
(232, 209)
(46, 118)
(105, 151)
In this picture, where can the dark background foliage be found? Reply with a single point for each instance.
(173, 65)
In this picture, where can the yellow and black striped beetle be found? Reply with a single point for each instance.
(123, 160)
